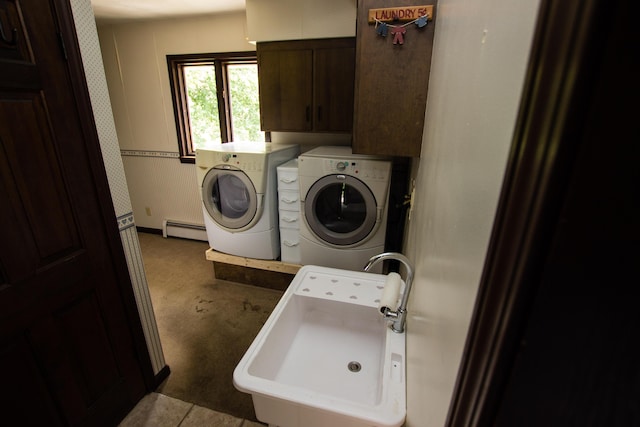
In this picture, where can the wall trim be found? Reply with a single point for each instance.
(135, 264)
(125, 221)
(143, 153)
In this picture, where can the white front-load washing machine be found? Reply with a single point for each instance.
(238, 188)
(344, 206)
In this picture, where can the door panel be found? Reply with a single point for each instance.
(38, 187)
(70, 338)
(72, 346)
(14, 46)
(20, 375)
(87, 342)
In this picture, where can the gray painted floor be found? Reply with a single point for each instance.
(205, 326)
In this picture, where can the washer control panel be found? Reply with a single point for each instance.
(366, 169)
(242, 161)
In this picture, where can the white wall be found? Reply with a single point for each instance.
(136, 68)
(479, 59)
(300, 19)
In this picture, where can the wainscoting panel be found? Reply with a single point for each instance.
(103, 115)
(131, 245)
(162, 188)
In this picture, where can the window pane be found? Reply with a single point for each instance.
(245, 106)
(200, 81)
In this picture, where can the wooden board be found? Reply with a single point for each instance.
(400, 14)
(261, 264)
(391, 85)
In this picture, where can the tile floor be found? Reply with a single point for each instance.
(158, 410)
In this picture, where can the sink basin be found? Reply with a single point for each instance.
(325, 356)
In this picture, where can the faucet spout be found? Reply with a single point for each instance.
(398, 316)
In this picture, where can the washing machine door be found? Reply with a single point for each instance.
(340, 209)
(230, 197)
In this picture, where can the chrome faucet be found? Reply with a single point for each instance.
(398, 316)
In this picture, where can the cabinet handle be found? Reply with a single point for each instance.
(319, 113)
(289, 244)
(308, 113)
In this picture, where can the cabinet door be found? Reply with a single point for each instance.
(334, 75)
(285, 78)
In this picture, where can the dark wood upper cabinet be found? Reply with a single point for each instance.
(391, 85)
(286, 89)
(307, 85)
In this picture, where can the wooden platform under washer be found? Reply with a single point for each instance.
(281, 267)
(257, 272)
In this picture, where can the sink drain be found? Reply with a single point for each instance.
(354, 366)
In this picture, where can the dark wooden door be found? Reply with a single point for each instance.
(70, 350)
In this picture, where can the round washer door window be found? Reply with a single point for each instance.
(229, 197)
(340, 209)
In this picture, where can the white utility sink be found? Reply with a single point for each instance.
(326, 357)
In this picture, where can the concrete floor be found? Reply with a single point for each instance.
(205, 325)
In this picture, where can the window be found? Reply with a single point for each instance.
(215, 99)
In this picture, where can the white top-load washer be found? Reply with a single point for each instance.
(239, 196)
(344, 206)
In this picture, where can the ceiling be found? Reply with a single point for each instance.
(122, 10)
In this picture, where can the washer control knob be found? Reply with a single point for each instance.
(226, 157)
(342, 166)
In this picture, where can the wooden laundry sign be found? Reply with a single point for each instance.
(400, 14)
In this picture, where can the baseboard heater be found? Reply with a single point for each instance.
(185, 230)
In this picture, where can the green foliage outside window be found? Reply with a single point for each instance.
(203, 104)
(245, 106)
